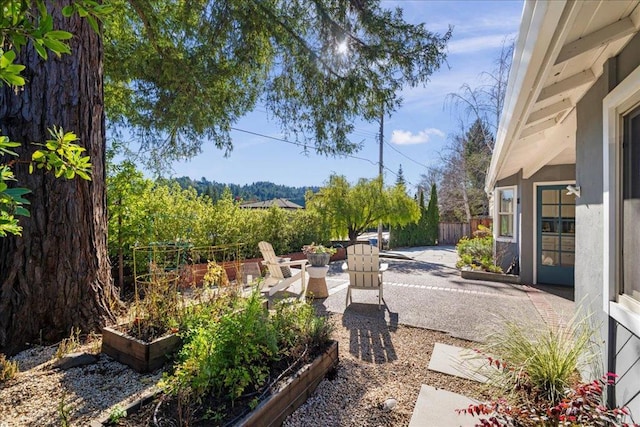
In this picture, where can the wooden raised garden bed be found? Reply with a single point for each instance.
(281, 404)
(272, 411)
(141, 356)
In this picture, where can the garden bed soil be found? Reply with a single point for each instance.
(291, 392)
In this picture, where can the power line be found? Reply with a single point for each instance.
(405, 156)
(297, 144)
(306, 146)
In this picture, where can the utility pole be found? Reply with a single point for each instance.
(381, 170)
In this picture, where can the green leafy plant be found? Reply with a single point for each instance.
(8, 369)
(231, 345)
(227, 355)
(116, 414)
(64, 411)
(477, 253)
(62, 156)
(298, 327)
(318, 249)
(215, 275)
(26, 22)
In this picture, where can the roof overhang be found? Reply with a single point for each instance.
(559, 54)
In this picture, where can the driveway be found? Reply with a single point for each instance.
(423, 288)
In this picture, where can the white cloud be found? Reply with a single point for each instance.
(475, 44)
(405, 137)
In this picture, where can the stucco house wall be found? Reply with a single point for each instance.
(624, 353)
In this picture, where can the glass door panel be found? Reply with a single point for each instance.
(556, 214)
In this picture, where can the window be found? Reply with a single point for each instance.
(620, 118)
(630, 212)
(505, 216)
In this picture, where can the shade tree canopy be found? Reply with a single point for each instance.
(178, 74)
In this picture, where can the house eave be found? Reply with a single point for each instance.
(559, 54)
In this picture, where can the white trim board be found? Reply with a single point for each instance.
(622, 99)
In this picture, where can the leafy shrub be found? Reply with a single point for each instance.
(477, 253)
(8, 368)
(215, 275)
(583, 405)
(298, 327)
(228, 354)
(232, 343)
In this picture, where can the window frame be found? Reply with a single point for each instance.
(621, 101)
(496, 222)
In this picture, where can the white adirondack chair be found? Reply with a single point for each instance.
(276, 280)
(365, 270)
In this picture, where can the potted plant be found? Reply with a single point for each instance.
(318, 255)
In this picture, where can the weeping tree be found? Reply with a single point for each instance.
(352, 209)
(176, 75)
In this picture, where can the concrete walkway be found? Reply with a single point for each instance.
(437, 408)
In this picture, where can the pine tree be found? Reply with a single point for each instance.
(433, 217)
(400, 179)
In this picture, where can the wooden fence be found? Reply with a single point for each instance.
(451, 232)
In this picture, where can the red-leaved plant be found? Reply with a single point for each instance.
(582, 405)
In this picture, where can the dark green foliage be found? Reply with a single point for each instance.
(257, 191)
(432, 225)
(424, 232)
(182, 73)
(400, 179)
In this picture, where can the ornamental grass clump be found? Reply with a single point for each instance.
(545, 361)
(538, 372)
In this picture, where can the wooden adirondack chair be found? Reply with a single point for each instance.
(365, 270)
(277, 280)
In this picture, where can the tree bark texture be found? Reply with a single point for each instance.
(57, 276)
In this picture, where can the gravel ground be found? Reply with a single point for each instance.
(377, 361)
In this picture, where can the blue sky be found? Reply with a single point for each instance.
(415, 135)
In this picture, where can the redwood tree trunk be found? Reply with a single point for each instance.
(57, 274)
